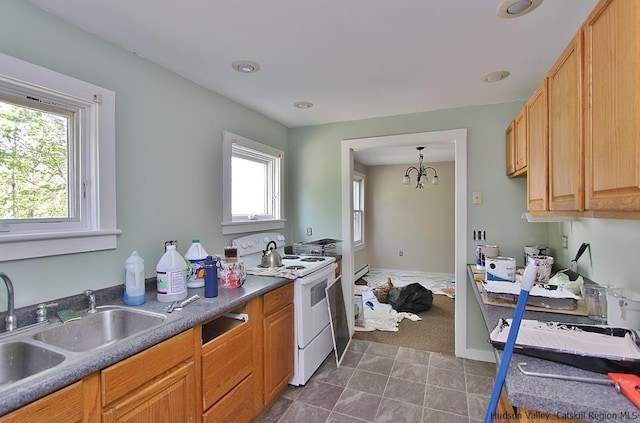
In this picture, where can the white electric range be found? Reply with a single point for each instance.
(311, 274)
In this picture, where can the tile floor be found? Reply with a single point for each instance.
(384, 383)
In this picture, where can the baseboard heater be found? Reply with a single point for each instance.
(361, 272)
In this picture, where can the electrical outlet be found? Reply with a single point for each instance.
(477, 197)
(401, 253)
(309, 231)
(479, 235)
(565, 241)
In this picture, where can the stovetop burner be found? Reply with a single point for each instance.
(265, 267)
(290, 257)
(295, 267)
(313, 259)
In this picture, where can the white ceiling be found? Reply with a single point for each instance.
(353, 59)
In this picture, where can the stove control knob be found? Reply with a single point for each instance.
(243, 245)
(265, 239)
(251, 243)
(280, 237)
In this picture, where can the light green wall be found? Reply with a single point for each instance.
(615, 249)
(168, 153)
(314, 155)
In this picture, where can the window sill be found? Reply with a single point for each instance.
(229, 228)
(24, 246)
(358, 247)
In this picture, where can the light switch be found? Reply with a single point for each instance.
(309, 231)
(477, 197)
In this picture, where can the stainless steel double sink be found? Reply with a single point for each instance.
(45, 347)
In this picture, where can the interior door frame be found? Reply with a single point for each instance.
(459, 138)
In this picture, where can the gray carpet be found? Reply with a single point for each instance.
(435, 332)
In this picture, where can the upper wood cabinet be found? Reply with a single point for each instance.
(566, 165)
(521, 140)
(593, 106)
(516, 145)
(510, 139)
(612, 107)
(537, 148)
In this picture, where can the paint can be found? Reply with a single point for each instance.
(484, 251)
(500, 269)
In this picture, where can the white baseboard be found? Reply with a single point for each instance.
(361, 272)
(479, 355)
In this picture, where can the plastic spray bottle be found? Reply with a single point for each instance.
(134, 280)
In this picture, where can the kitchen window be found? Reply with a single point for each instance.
(358, 211)
(57, 163)
(252, 178)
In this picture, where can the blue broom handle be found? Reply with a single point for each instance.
(528, 279)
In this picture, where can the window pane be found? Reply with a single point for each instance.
(34, 165)
(357, 226)
(249, 187)
(356, 195)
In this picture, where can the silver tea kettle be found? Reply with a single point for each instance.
(270, 257)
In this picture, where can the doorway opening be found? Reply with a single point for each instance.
(457, 139)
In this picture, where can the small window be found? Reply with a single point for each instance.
(252, 185)
(358, 211)
(57, 163)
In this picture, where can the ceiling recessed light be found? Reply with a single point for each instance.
(495, 76)
(303, 105)
(246, 66)
(515, 8)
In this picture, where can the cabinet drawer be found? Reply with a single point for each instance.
(277, 298)
(226, 361)
(124, 377)
(236, 406)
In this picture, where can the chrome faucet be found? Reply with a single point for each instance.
(92, 300)
(10, 322)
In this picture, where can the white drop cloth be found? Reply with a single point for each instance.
(378, 316)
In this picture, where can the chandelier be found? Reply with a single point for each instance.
(421, 170)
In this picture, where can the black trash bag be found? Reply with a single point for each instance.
(412, 298)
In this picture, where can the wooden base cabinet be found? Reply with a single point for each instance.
(231, 380)
(156, 385)
(167, 399)
(65, 405)
(278, 341)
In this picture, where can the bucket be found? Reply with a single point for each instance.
(500, 269)
(484, 251)
(623, 310)
(533, 250)
(544, 263)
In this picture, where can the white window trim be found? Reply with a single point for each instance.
(357, 176)
(102, 233)
(230, 226)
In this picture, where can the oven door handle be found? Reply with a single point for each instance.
(317, 277)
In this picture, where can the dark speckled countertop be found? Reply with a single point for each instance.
(77, 366)
(558, 398)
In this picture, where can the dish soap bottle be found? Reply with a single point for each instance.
(196, 256)
(134, 280)
(172, 276)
